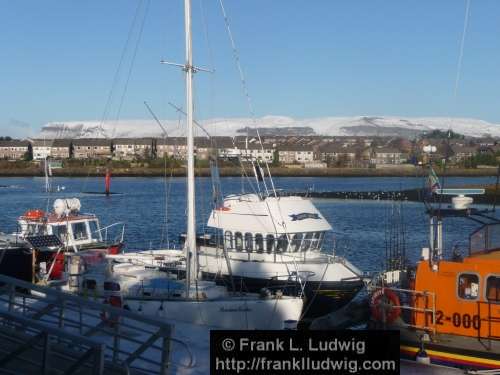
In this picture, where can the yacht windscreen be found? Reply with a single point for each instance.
(79, 231)
(94, 230)
(60, 231)
(485, 238)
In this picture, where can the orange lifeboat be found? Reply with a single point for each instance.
(448, 307)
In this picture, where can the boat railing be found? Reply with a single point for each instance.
(410, 308)
(488, 316)
(119, 237)
(130, 340)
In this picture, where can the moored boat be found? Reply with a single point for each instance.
(77, 231)
(268, 242)
(447, 309)
(50, 236)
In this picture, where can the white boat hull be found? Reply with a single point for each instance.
(242, 313)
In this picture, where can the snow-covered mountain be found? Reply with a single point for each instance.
(281, 125)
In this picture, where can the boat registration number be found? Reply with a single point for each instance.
(459, 320)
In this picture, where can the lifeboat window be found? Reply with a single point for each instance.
(493, 289)
(296, 241)
(468, 286)
(248, 242)
(238, 241)
(306, 243)
(79, 231)
(259, 243)
(282, 243)
(228, 239)
(270, 243)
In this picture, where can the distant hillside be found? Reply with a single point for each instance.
(330, 126)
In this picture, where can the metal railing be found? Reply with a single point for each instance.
(129, 340)
(86, 352)
(488, 317)
(105, 230)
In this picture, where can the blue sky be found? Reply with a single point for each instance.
(301, 59)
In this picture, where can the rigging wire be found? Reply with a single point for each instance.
(107, 106)
(243, 82)
(131, 67)
(458, 75)
(116, 77)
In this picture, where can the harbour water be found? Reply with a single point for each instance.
(360, 226)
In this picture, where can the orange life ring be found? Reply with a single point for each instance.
(385, 306)
(34, 214)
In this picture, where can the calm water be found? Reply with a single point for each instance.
(360, 226)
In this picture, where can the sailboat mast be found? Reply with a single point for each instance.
(191, 264)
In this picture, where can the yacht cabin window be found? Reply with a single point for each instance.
(321, 239)
(79, 231)
(468, 286)
(248, 242)
(270, 245)
(259, 243)
(282, 243)
(315, 240)
(306, 243)
(238, 241)
(228, 239)
(296, 241)
(89, 284)
(493, 289)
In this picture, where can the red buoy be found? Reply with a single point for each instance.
(107, 181)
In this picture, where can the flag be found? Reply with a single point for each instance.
(433, 181)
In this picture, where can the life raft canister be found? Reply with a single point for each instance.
(385, 305)
(34, 214)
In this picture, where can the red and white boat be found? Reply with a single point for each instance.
(66, 230)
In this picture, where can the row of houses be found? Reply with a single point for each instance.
(296, 150)
(286, 151)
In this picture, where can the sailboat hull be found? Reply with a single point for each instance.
(251, 313)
